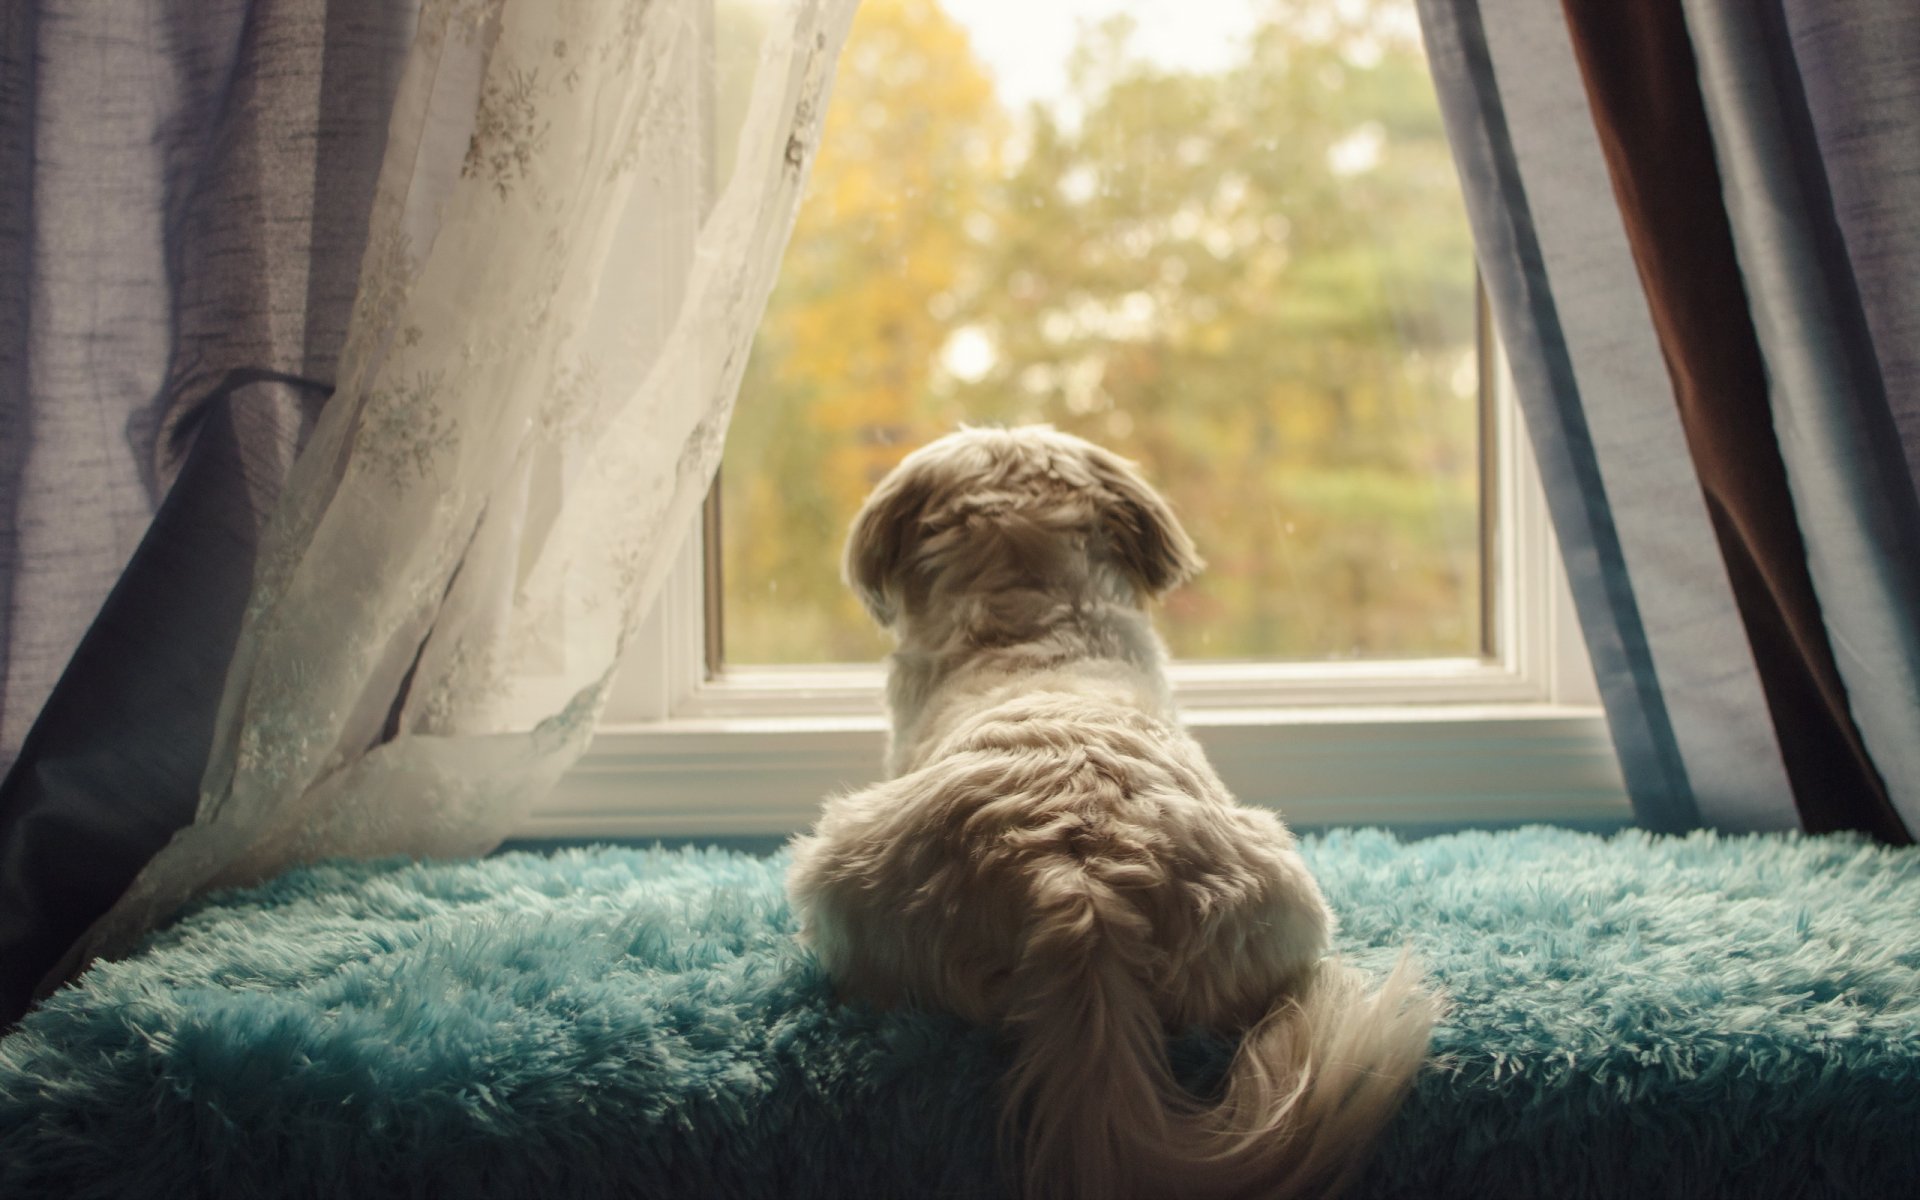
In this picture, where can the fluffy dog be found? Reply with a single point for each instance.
(1054, 855)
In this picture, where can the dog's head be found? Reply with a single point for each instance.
(987, 510)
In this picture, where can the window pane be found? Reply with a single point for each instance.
(1224, 239)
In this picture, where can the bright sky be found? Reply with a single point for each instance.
(1026, 42)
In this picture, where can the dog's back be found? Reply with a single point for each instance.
(1057, 857)
(1070, 868)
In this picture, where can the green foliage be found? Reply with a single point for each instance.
(1257, 283)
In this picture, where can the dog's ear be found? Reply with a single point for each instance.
(1140, 527)
(883, 532)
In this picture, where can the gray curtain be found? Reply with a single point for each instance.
(184, 189)
(1699, 224)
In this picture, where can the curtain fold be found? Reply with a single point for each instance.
(1740, 554)
(551, 319)
(1858, 74)
(1675, 674)
(1644, 93)
(112, 766)
(186, 199)
(1839, 435)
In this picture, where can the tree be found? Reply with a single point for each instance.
(837, 390)
(1255, 281)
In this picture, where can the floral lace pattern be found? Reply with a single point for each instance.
(551, 324)
(509, 129)
(405, 431)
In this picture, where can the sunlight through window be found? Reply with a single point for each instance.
(1225, 240)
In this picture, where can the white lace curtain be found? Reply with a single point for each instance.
(553, 315)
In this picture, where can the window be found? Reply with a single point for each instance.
(1224, 240)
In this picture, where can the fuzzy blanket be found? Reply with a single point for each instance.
(1632, 1017)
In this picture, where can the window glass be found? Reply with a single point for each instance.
(1223, 238)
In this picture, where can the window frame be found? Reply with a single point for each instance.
(1514, 736)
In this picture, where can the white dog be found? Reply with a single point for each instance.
(1054, 855)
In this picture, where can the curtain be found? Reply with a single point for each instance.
(566, 252)
(185, 199)
(1696, 222)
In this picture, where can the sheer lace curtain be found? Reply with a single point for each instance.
(553, 314)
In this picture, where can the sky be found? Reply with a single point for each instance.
(1026, 42)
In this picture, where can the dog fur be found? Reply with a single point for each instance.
(1054, 855)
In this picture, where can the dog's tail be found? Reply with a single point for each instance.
(1092, 1096)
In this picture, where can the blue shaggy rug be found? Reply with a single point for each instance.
(1633, 1017)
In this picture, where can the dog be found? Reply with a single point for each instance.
(1053, 855)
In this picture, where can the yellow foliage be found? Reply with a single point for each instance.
(1178, 273)
(881, 234)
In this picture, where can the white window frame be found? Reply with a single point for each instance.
(1515, 737)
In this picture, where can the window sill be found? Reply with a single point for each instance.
(1515, 737)
(1405, 765)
